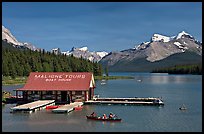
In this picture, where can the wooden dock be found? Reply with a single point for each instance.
(67, 108)
(33, 106)
(126, 101)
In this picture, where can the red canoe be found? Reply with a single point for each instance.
(52, 107)
(101, 119)
(78, 108)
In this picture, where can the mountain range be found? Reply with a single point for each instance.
(85, 53)
(160, 51)
(94, 56)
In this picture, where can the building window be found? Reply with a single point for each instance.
(78, 93)
(36, 92)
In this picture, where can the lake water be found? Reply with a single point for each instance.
(175, 90)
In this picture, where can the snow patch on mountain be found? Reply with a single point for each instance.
(143, 45)
(56, 51)
(83, 49)
(180, 35)
(158, 37)
(180, 45)
(102, 54)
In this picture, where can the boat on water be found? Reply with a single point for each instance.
(52, 107)
(78, 108)
(103, 83)
(158, 101)
(183, 107)
(102, 119)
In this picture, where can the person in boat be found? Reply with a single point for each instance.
(93, 114)
(104, 116)
(111, 115)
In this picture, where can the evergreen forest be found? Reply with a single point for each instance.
(181, 69)
(20, 62)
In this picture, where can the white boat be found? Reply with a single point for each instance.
(183, 107)
(158, 101)
(103, 83)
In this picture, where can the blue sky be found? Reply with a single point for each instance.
(101, 26)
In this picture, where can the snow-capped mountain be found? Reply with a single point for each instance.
(182, 34)
(85, 53)
(9, 38)
(6, 35)
(158, 48)
(161, 46)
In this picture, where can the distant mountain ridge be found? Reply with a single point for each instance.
(158, 49)
(83, 52)
(9, 38)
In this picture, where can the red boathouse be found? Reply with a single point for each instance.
(63, 87)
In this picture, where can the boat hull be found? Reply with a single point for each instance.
(101, 119)
(78, 108)
(51, 107)
(182, 108)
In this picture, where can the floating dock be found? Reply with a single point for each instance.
(67, 108)
(33, 106)
(126, 101)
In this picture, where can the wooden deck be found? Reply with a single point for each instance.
(126, 101)
(33, 106)
(67, 108)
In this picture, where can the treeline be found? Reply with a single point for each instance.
(20, 62)
(181, 69)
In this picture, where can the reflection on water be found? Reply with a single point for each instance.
(12, 88)
(175, 90)
(165, 79)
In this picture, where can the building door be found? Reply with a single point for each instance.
(63, 96)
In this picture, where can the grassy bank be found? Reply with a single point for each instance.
(112, 77)
(15, 81)
(22, 80)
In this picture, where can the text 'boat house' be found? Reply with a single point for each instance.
(63, 87)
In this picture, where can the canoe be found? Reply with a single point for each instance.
(101, 119)
(52, 107)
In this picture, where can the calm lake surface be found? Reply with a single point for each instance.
(175, 90)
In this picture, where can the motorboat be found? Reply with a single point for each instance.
(183, 107)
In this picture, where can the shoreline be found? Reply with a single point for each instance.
(22, 80)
